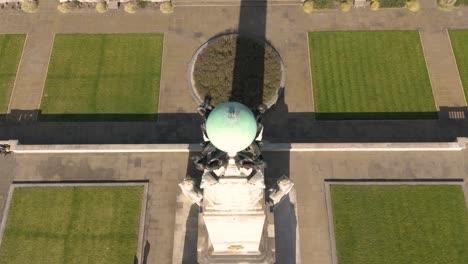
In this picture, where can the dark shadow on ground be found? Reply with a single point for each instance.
(284, 214)
(278, 164)
(146, 251)
(247, 82)
(191, 225)
(191, 237)
(285, 231)
(281, 126)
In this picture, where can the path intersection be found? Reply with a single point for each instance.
(290, 121)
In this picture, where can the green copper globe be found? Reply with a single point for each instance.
(231, 127)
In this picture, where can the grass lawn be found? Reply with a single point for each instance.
(362, 75)
(459, 39)
(104, 76)
(324, 4)
(417, 224)
(392, 3)
(56, 225)
(11, 47)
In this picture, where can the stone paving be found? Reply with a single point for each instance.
(286, 28)
(291, 120)
(308, 170)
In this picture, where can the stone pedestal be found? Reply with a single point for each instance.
(264, 254)
(235, 223)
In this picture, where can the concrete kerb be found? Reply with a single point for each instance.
(141, 227)
(458, 145)
(331, 227)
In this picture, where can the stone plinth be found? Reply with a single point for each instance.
(234, 219)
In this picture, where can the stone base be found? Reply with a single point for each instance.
(266, 255)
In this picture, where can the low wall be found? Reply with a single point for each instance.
(16, 147)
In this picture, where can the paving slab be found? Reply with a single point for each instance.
(308, 170)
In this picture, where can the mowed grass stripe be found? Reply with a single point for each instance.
(53, 225)
(11, 47)
(104, 74)
(385, 224)
(370, 72)
(459, 39)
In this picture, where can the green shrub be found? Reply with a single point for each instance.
(142, 3)
(413, 5)
(75, 4)
(64, 8)
(101, 7)
(29, 6)
(345, 6)
(308, 6)
(166, 7)
(374, 5)
(323, 4)
(392, 3)
(131, 7)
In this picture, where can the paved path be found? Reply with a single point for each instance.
(186, 30)
(308, 170)
(442, 68)
(290, 121)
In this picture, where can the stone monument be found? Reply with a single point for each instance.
(236, 224)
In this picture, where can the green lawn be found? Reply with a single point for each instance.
(370, 75)
(56, 225)
(418, 224)
(459, 39)
(392, 3)
(324, 4)
(11, 47)
(103, 76)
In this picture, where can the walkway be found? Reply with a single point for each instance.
(186, 30)
(308, 170)
(291, 120)
(442, 67)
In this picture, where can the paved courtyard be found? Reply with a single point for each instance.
(291, 120)
(285, 27)
(308, 170)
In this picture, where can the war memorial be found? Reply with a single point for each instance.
(234, 131)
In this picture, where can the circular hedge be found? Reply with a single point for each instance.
(236, 68)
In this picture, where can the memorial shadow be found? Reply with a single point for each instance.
(281, 126)
(189, 254)
(284, 213)
(248, 74)
(285, 231)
